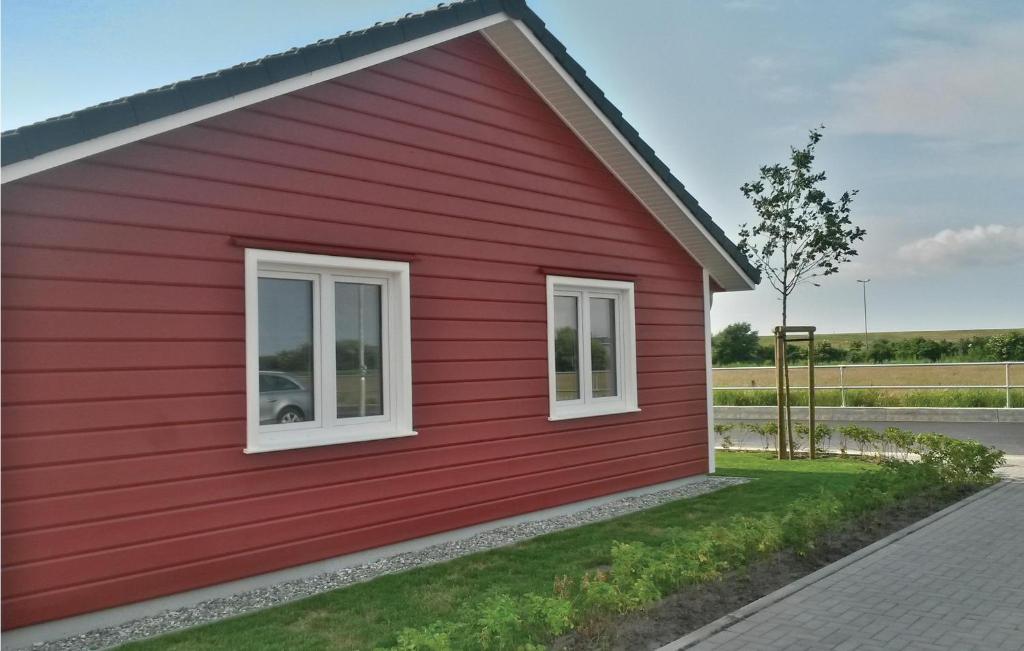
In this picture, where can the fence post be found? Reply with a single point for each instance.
(1007, 368)
(780, 360)
(842, 387)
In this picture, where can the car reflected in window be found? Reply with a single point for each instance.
(284, 399)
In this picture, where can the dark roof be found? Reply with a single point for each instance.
(64, 130)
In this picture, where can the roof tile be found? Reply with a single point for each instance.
(51, 134)
(13, 149)
(156, 103)
(202, 90)
(322, 54)
(285, 65)
(355, 44)
(384, 35)
(467, 11)
(105, 118)
(245, 77)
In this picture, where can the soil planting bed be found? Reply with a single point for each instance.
(695, 606)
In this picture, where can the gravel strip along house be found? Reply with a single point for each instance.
(387, 285)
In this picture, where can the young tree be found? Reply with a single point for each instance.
(800, 234)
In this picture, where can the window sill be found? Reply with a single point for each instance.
(588, 413)
(313, 443)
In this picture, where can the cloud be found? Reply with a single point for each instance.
(931, 16)
(749, 5)
(771, 77)
(969, 88)
(979, 246)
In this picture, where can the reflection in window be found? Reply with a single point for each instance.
(286, 350)
(602, 347)
(567, 373)
(358, 350)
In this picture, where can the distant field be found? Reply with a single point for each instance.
(843, 339)
(931, 375)
(876, 376)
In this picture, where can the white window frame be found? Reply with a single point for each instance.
(586, 405)
(396, 361)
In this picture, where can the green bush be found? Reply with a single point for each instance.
(864, 438)
(720, 430)
(959, 463)
(822, 437)
(769, 433)
(436, 637)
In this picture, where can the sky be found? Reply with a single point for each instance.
(922, 103)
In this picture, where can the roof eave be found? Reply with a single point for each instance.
(512, 28)
(88, 147)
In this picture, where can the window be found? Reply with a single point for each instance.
(591, 347)
(327, 350)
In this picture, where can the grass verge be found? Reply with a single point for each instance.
(583, 580)
(370, 615)
(877, 398)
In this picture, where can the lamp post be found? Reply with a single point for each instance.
(864, 286)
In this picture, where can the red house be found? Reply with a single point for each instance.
(382, 286)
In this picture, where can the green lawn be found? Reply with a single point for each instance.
(369, 615)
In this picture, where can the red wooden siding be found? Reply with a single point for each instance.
(123, 352)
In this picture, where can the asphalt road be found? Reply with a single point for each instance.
(1008, 437)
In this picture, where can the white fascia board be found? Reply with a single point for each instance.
(80, 150)
(709, 379)
(494, 36)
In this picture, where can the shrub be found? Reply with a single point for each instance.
(1006, 347)
(822, 437)
(959, 463)
(881, 350)
(436, 637)
(547, 616)
(499, 623)
(901, 442)
(826, 353)
(863, 437)
(807, 520)
(720, 430)
(769, 433)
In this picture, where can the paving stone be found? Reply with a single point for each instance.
(956, 583)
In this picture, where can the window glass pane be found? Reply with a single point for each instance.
(602, 347)
(567, 373)
(357, 326)
(286, 350)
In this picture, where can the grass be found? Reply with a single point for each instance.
(979, 374)
(843, 339)
(878, 398)
(369, 615)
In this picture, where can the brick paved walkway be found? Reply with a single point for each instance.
(956, 583)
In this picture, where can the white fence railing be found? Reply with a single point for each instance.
(843, 387)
